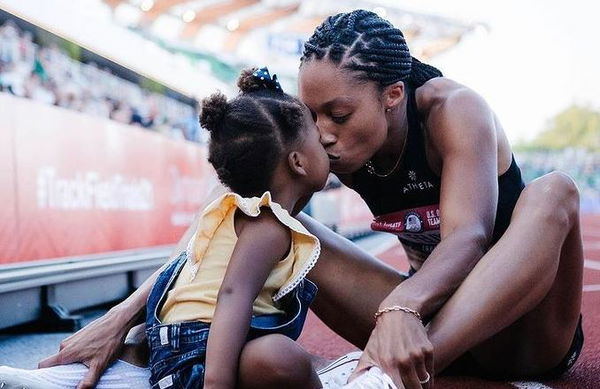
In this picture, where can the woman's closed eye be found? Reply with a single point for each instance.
(339, 119)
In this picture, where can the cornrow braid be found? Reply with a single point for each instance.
(249, 134)
(364, 42)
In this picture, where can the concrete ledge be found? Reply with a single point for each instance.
(73, 283)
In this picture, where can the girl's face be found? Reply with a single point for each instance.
(349, 114)
(311, 147)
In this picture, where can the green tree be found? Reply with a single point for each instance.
(576, 126)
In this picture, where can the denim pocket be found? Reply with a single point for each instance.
(188, 377)
(191, 377)
(176, 362)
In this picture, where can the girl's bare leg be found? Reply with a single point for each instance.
(276, 361)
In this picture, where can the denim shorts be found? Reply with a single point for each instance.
(178, 350)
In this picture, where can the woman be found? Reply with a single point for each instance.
(496, 270)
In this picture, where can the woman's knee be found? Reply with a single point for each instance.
(554, 197)
(274, 361)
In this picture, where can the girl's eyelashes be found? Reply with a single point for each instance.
(313, 115)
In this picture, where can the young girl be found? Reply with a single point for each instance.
(243, 274)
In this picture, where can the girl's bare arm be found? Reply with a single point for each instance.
(261, 244)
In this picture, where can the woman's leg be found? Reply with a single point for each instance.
(351, 284)
(276, 361)
(519, 305)
(518, 309)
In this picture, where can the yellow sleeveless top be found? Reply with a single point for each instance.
(193, 296)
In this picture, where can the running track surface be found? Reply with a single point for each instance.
(320, 340)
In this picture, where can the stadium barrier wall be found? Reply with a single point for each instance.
(72, 184)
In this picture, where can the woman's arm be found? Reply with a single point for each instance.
(462, 130)
(100, 342)
(261, 244)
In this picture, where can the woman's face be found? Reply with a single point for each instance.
(313, 149)
(349, 114)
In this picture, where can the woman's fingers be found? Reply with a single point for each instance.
(48, 362)
(404, 351)
(417, 370)
(409, 378)
(427, 379)
(54, 360)
(92, 377)
(394, 374)
(403, 372)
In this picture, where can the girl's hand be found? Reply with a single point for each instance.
(400, 347)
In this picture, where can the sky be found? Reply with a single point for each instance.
(535, 59)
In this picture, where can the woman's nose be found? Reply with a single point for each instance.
(327, 138)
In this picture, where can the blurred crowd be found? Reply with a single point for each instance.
(582, 165)
(48, 75)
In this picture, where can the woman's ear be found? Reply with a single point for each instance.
(297, 163)
(393, 95)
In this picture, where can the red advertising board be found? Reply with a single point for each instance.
(73, 184)
(8, 200)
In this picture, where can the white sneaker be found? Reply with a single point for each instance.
(373, 378)
(119, 375)
(335, 375)
(13, 378)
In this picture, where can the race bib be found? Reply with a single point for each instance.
(417, 228)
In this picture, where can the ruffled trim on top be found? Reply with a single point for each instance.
(215, 213)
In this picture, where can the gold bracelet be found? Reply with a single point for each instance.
(397, 308)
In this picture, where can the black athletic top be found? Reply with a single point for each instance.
(406, 203)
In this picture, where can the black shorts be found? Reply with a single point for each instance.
(466, 365)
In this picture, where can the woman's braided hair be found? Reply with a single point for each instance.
(249, 133)
(364, 42)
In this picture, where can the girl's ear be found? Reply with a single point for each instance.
(297, 163)
(393, 95)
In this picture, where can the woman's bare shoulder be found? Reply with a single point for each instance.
(439, 91)
(453, 114)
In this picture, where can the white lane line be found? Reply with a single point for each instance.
(591, 288)
(591, 264)
(529, 385)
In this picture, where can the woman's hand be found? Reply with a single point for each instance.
(96, 346)
(400, 347)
